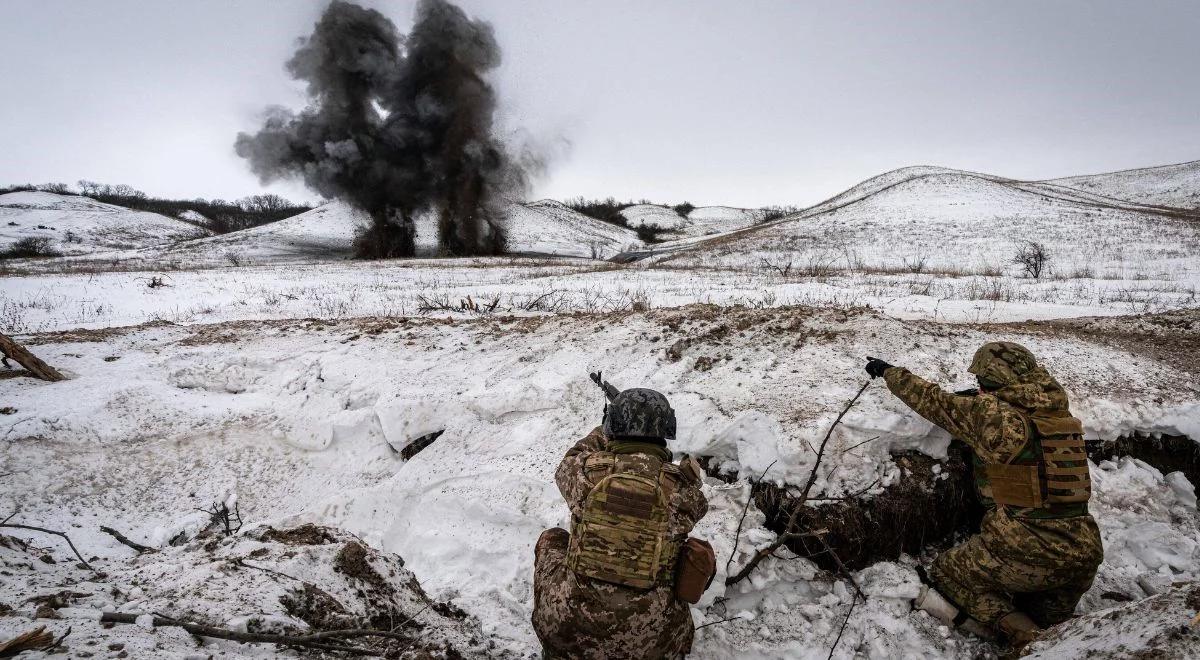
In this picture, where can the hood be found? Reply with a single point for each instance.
(1035, 390)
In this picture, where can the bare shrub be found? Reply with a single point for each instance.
(917, 264)
(778, 266)
(1033, 257)
(30, 247)
(234, 258)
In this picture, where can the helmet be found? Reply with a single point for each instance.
(1003, 363)
(640, 413)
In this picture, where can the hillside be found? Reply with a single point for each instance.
(549, 227)
(927, 219)
(80, 225)
(702, 221)
(1175, 186)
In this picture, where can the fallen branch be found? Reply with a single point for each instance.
(32, 363)
(50, 531)
(124, 540)
(737, 536)
(34, 640)
(788, 528)
(315, 640)
(858, 593)
(713, 623)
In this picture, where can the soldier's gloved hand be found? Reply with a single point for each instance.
(876, 367)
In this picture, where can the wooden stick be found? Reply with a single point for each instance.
(737, 536)
(31, 362)
(125, 540)
(50, 531)
(241, 637)
(788, 528)
(312, 640)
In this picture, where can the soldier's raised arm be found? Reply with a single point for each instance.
(950, 411)
(570, 477)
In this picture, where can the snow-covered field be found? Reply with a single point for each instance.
(289, 384)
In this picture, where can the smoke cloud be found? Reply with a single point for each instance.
(398, 126)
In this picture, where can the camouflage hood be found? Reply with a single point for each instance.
(1023, 382)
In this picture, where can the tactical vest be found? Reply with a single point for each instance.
(1047, 478)
(622, 535)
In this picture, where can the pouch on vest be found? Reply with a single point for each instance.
(694, 572)
(1049, 472)
(622, 535)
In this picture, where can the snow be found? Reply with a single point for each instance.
(1172, 185)
(284, 379)
(80, 225)
(298, 419)
(652, 216)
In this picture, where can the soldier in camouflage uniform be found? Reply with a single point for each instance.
(605, 590)
(1038, 548)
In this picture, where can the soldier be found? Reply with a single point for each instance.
(1038, 548)
(610, 589)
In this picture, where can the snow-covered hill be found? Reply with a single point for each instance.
(549, 227)
(327, 232)
(703, 221)
(1176, 186)
(81, 225)
(927, 219)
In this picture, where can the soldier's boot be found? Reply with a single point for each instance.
(936, 605)
(1018, 629)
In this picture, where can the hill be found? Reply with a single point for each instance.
(930, 219)
(78, 225)
(1172, 186)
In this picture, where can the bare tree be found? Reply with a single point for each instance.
(1032, 258)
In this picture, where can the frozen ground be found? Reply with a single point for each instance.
(301, 420)
(271, 371)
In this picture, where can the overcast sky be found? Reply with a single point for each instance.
(743, 103)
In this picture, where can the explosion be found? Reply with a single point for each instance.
(397, 126)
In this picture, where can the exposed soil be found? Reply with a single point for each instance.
(1167, 453)
(924, 510)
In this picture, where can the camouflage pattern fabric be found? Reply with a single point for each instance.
(1039, 566)
(581, 618)
(639, 413)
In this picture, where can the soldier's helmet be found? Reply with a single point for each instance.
(640, 413)
(1003, 363)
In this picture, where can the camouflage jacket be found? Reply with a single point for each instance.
(577, 617)
(992, 424)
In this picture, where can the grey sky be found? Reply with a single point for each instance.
(745, 103)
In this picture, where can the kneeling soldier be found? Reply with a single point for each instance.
(1038, 548)
(618, 585)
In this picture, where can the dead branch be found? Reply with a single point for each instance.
(34, 640)
(858, 593)
(32, 363)
(220, 515)
(713, 623)
(50, 531)
(125, 540)
(788, 533)
(315, 640)
(737, 536)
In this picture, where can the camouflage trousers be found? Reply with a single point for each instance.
(1039, 567)
(583, 618)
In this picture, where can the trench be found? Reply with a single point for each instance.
(927, 510)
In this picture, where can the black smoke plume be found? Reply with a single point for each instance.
(398, 126)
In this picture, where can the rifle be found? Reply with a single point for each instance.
(973, 391)
(610, 393)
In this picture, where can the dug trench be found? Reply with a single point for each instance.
(932, 505)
